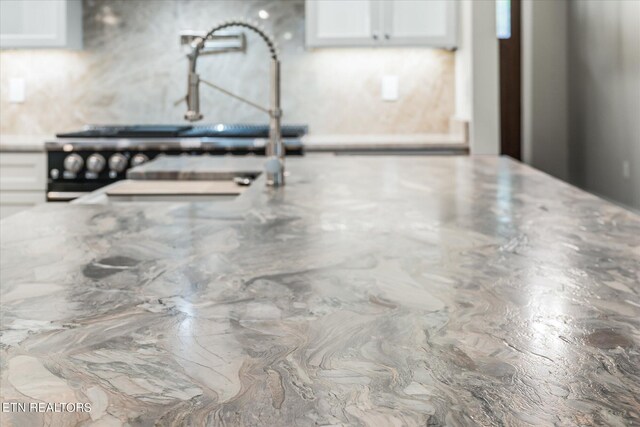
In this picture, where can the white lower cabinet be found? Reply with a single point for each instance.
(23, 181)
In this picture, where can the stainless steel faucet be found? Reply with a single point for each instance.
(274, 166)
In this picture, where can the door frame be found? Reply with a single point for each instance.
(510, 54)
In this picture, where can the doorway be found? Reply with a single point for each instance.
(508, 18)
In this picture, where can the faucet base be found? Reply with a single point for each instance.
(275, 180)
(274, 169)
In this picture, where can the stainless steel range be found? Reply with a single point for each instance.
(83, 161)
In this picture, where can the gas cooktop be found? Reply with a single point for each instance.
(184, 131)
(80, 162)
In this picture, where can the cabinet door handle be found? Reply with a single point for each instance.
(387, 36)
(375, 36)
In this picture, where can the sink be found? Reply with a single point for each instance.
(198, 168)
(166, 191)
(181, 179)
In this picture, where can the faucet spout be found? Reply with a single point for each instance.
(274, 166)
(275, 148)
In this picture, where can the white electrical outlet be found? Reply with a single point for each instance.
(17, 91)
(389, 88)
(626, 169)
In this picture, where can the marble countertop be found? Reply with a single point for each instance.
(312, 143)
(198, 167)
(396, 142)
(369, 291)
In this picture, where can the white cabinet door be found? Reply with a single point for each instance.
(420, 23)
(23, 181)
(342, 22)
(432, 23)
(40, 23)
(23, 171)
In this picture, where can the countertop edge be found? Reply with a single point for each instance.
(330, 142)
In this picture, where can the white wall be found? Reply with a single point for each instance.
(604, 88)
(545, 136)
(581, 93)
(463, 63)
(477, 75)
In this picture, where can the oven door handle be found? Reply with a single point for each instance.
(65, 196)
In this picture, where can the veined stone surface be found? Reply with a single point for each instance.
(369, 291)
(132, 69)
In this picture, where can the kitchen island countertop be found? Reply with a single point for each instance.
(368, 291)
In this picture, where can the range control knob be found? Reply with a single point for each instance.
(95, 163)
(73, 163)
(139, 159)
(118, 163)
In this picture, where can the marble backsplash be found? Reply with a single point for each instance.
(132, 69)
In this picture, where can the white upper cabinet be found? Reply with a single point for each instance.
(342, 22)
(420, 22)
(381, 23)
(40, 24)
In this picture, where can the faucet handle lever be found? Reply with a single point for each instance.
(180, 100)
(233, 95)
